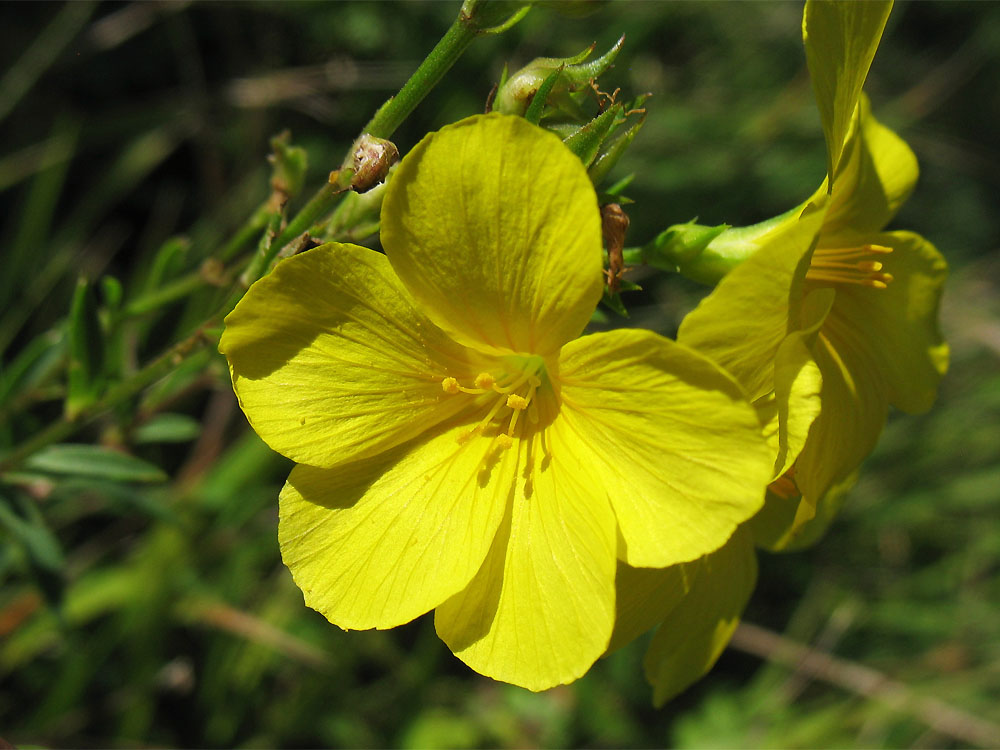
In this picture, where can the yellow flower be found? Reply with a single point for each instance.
(459, 448)
(827, 321)
(853, 302)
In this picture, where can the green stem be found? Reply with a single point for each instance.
(445, 53)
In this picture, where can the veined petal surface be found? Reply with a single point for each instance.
(743, 321)
(493, 226)
(899, 324)
(840, 38)
(381, 541)
(331, 361)
(677, 447)
(855, 405)
(541, 609)
(878, 173)
(696, 631)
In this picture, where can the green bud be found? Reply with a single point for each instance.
(517, 91)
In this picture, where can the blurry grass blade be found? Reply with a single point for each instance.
(86, 350)
(137, 160)
(33, 364)
(167, 428)
(37, 216)
(47, 46)
(44, 553)
(93, 461)
(29, 528)
(169, 261)
(586, 142)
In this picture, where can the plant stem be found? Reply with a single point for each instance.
(445, 53)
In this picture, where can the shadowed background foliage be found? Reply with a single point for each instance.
(145, 604)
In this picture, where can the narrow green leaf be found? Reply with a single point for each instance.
(93, 461)
(86, 350)
(167, 428)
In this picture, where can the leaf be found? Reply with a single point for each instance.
(167, 428)
(93, 461)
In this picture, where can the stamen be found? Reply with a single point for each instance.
(450, 385)
(485, 381)
(504, 441)
(850, 265)
(517, 402)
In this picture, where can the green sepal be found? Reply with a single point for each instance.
(533, 113)
(86, 351)
(586, 142)
(677, 247)
(611, 151)
(613, 300)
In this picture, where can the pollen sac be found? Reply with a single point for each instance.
(372, 159)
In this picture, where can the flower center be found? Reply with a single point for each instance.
(850, 265)
(506, 394)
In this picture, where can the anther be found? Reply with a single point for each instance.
(450, 385)
(517, 402)
(504, 441)
(485, 381)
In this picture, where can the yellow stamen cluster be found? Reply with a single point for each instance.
(852, 265)
(512, 391)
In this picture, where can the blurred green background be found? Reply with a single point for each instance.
(145, 606)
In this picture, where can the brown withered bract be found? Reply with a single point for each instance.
(614, 224)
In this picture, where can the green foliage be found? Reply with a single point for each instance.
(143, 601)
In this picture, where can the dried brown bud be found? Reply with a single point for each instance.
(372, 159)
(614, 224)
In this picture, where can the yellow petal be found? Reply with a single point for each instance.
(840, 39)
(797, 384)
(645, 596)
(743, 321)
(877, 175)
(541, 609)
(854, 408)
(493, 225)
(378, 542)
(899, 325)
(697, 630)
(676, 446)
(332, 361)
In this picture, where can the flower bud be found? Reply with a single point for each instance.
(516, 91)
(372, 159)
